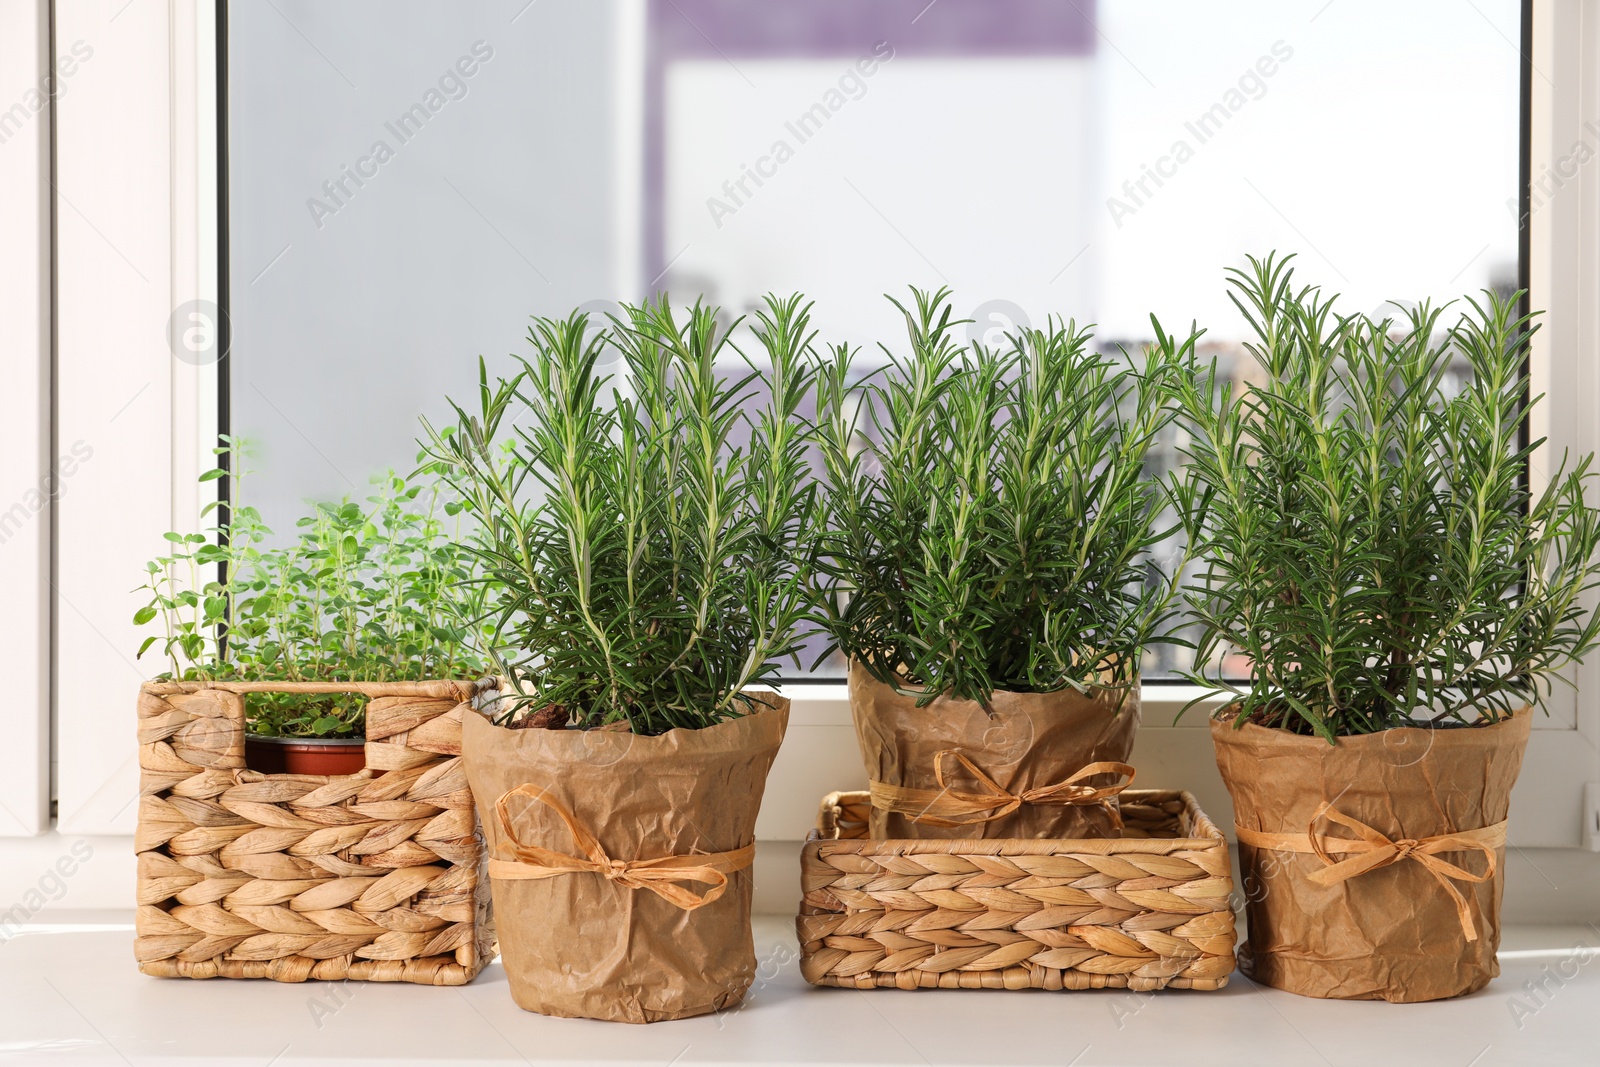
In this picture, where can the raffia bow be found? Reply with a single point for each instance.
(661, 876)
(1371, 850)
(949, 807)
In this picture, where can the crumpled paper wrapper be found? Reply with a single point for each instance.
(1392, 933)
(579, 945)
(1030, 741)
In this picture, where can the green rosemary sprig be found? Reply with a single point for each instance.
(1371, 546)
(646, 531)
(989, 517)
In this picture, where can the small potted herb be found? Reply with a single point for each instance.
(643, 529)
(366, 592)
(1401, 595)
(985, 567)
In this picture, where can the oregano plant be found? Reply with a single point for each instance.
(1372, 541)
(640, 498)
(989, 512)
(374, 590)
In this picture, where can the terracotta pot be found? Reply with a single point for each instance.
(305, 755)
(1374, 917)
(1023, 743)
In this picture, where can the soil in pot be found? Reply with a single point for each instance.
(620, 864)
(1404, 903)
(1031, 749)
(304, 755)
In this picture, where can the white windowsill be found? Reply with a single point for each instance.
(75, 996)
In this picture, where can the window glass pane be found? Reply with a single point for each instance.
(411, 180)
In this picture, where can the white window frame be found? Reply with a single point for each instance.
(26, 487)
(136, 154)
(136, 237)
(1548, 805)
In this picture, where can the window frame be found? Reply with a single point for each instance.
(27, 453)
(154, 105)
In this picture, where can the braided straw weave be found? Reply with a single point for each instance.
(372, 877)
(1146, 911)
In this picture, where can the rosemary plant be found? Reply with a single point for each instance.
(989, 514)
(1370, 544)
(647, 541)
(371, 591)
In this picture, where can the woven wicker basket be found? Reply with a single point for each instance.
(1147, 911)
(372, 877)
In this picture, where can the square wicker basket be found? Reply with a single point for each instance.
(371, 876)
(1146, 911)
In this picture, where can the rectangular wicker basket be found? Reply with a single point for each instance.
(1147, 911)
(371, 876)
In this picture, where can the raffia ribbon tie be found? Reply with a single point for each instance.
(661, 876)
(948, 807)
(1371, 849)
